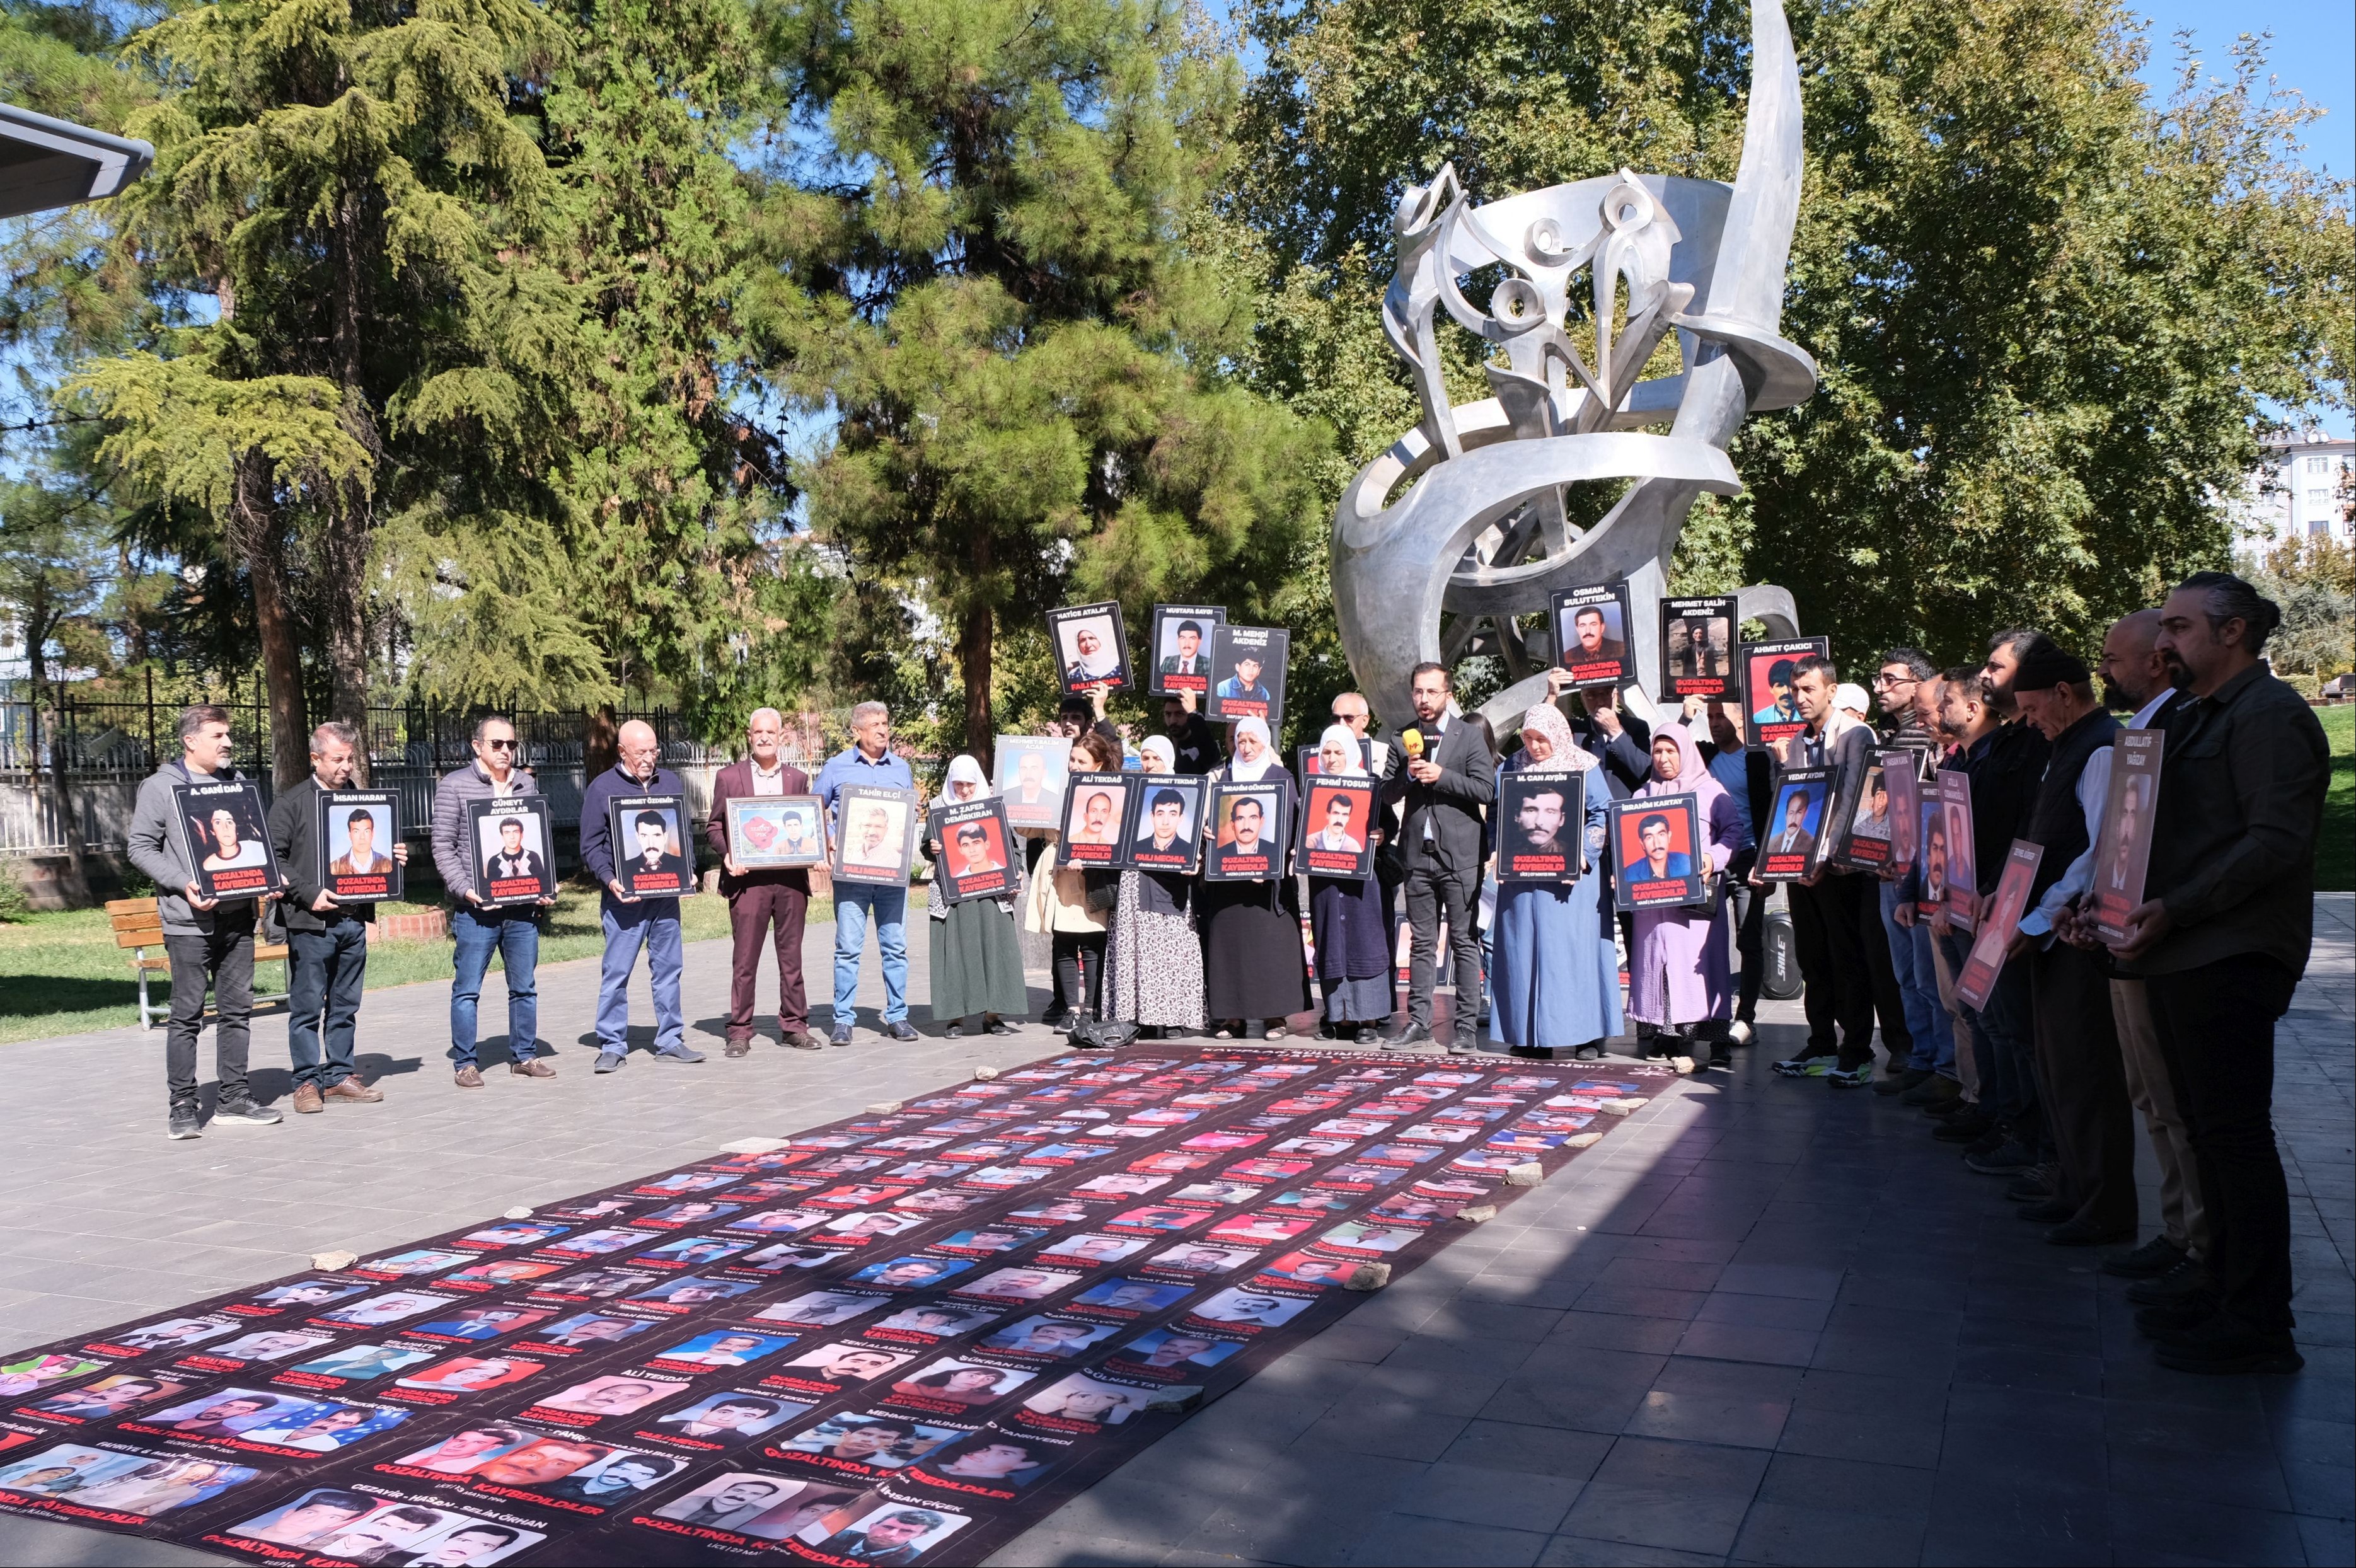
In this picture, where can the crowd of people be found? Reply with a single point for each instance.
(2039, 1085)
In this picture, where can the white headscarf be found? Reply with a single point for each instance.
(1252, 773)
(1344, 737)
(1160, 746)
(964, 769)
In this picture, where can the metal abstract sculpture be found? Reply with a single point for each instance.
(1463, 517)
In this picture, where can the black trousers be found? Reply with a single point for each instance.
(1750, 932)
(2086, 1084)
(1434, 895)
(323, 999)
(1826, 935)
(1882, 969)
(1079, 969)
(2216, 1029)
(223, 960)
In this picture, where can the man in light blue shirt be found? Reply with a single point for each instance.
(868, 760)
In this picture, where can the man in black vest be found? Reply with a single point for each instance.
(1446, 786)
(2077, 1045)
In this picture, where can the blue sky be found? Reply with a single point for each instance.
(2314, 52)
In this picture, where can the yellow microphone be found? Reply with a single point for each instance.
(1411, 742)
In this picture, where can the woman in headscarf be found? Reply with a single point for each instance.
(1553, 971)
(1253, 967)
(1351, 920)
(1072, 905)
(1678, 966)
(977, 960)
(1155, 963)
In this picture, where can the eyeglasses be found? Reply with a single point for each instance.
(500, 745)
(1895, 681)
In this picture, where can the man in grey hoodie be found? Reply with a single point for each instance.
(209, 942)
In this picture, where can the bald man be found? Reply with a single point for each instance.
(631, 922)
(762, 898)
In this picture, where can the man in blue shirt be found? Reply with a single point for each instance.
(631, 922)
(869, 760)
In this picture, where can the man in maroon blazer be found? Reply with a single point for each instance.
(759, 899)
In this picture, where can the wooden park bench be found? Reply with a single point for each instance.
(139, 926)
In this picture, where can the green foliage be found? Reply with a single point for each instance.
(2314, 580)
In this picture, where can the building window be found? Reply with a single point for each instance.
(2318, 465)
(2318, 499)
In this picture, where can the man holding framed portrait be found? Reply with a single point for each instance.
(765, 832)
(631, 920)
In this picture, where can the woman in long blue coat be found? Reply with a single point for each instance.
(1351, 920)
(1553, 974)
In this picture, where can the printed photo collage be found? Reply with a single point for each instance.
(880, 1336)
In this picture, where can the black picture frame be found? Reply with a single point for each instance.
(1789, 851)
(1682, 879)
(1165, 679)
(1551, 795)
(887, 860)
(1768, 718)
(1084, 843)
(1222, 862)
(649, 869)
(1962, 900)
(1613, 662)
(1714, 673)
(226, 814)
(335, 813)
(954, 824)
(1230, 699)
(1185, 853)
(1867, 841)
(1353, 858)
(534, 864)
(1067, 625)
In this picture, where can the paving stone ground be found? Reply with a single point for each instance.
(1765, 1322)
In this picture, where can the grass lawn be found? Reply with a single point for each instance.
(61, 973)
(2335, 857)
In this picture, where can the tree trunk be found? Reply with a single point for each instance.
(254, 533)
(598, 750)
(974, 646)
(351, 520)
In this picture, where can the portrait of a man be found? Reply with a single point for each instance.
(1188, 658)
(1538, 822)
(1794, 810)
(1781, 706)
(868, 840)
(1592, 638)
(1334, 834)
(971, 852)
(1098, 817)
(1243, 683)
(1654, 861)
(515, 857)
(233, 841)
(651, 851)
(361, 857)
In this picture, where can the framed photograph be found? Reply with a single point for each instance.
(1248, 674)
(1165, 823)
(1181, 647)
(1931, 834)
(976, 854)
(1976, 979)
(1902, 774)
(1096, 808)
(1030, 773)
(876, 837)
(1866, 819)
(1791, 843)
(654, 852)
(515, 854)
(1698, 644)
(1541, 818)
(776, 832)
(1770, 713)
(1962, 898)
(1248, 831)
(1590, 635)
(225, 833)
(2123, 851)
(1657, 845)
(1091, 649)
(1338, 816)
(356, 830)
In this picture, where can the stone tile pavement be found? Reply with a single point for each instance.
(1765, 1322)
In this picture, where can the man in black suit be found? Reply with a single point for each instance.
(1445, 790)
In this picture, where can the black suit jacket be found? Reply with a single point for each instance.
(1453, 804)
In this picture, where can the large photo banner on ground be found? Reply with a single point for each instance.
(905, 1337)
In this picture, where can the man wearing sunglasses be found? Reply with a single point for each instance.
(512, 930)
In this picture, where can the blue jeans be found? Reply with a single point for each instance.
(1918, 989)
(654, 924)
(330, 970)
(854, 907)
(515, 935)
(2001, 1037)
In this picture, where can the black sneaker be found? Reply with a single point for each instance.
(184, 1124)
(2175, 1318)
(842, 1035)
(1967, 1129)
(2187, 1279)
(2224, 1344)
(2008, 1158)
(1912, 1078)
(2149, 1261)
(245, 1113)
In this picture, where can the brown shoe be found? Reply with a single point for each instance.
(737, 1047)
(469, 1078)
(306, 1099)
(802, 1039)
(352, 1089)
(532, 1067)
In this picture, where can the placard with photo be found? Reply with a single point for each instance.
(1661, 856)
(515, 858)
(1096, 808)
(1248, 674)
(1930, 833)
(1541, 816)
(1165, 823)
(1029, 773)
(1902, 774)
(1962, 857)
(776, 832)
(654, 851)
(1793, 843)
(355, 831)
(1090, 647)
(1770, 711)
(1698, 637)
(976, 851)
(224, 833)
(1869, 821)
(1590, 635)
(1247, 832)
(875, 842)
(2123, 851)
(1337, 823)
(1976, 979)
(1182, 635)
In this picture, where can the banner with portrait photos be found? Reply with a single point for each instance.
(355, 831)
(1541, 816)
(1770, 712)
(1181, 647)
(1248, 674)
(1590, 635)
(224, 833)
(1659, 848)
(905, 1337)
(1698, 647)
(977, 850)
(1976, 981)
(1247, 830)
(876, 834)
(1091, 649)
(2123, 851)
(1338, 817)
(1096, 810)
(653, 845)
(514, 851)
(1792, 842)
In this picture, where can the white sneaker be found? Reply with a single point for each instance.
(1740, 1033)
